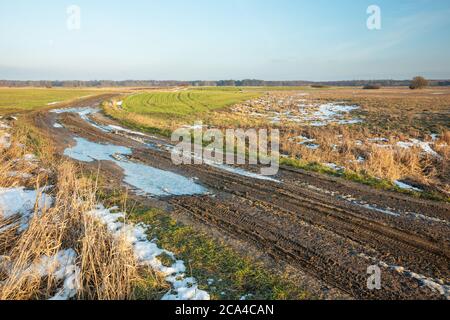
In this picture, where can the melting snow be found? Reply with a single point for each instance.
(118, 128)
(20, 201)
(62, 267)
(84, 113)
(5, 141)
(334, 166)
(388, 211)
(405, 186)
(296, 110)
(239, 171)
(425, 146)
(307, 142)
(133, 170)
(330, 110)
(4, 126)
(146, 179)
(436, 285)
(379, 140)
(147, 253)
(57, 125)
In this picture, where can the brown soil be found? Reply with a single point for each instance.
(303, 222)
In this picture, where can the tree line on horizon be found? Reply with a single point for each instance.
(219, 83)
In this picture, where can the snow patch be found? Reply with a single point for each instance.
(425, 146)
(405, 186)
(373, 207)
(334, 166)
(119, 128)
(19, 201)
(5, 141)
(83, 156)
(57, 125)
(4, 126)
(307, 142)
(147, 253)
(435, 285)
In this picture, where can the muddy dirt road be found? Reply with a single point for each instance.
(328, 228)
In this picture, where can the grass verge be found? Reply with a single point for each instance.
(359, 177)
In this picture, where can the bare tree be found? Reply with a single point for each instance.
(418, 83)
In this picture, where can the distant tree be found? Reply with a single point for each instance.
(418, 83)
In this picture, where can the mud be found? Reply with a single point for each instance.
(324, 227)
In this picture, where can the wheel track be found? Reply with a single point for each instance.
(417, 251)
(282, 247)
(289, 202)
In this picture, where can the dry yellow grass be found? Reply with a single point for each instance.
(397, 114)
(108, 269)
(107, 266)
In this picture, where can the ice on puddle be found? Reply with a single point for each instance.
(146, 179)
(87, 151)
(135, 175)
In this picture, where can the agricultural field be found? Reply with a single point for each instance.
(392, 138)
(93, 207)
(27, 99)
(68, 233)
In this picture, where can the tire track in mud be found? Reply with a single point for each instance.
(330, 268)
(314, 232)
(289, 201)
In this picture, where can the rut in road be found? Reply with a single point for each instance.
(314, 232)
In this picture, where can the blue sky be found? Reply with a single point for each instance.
(200, 39)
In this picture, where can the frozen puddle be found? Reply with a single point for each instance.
(134, 169)
(147, 253)
(146, 179)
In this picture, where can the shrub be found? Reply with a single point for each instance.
(418, 83)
